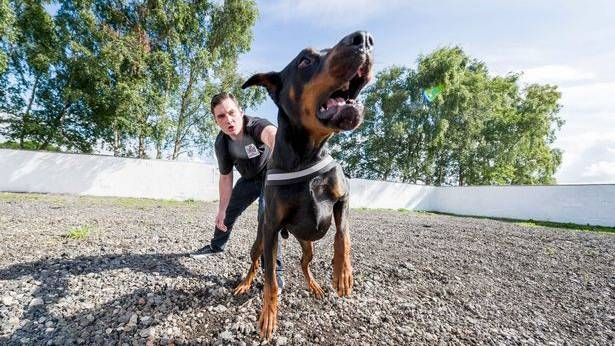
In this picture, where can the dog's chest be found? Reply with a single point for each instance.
(314, 216)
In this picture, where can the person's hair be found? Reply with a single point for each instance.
(218, 98)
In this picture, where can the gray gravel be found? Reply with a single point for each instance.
(419, 278)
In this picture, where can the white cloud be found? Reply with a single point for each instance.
(588, 137)
(507, 58)
(336, 12)
(601, 169)
(555, 74)
(590, 97)
(589, 157)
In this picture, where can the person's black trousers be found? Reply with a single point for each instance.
(244, 193)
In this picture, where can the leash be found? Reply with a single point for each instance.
(281, 177)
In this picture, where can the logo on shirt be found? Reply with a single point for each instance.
(252, 151)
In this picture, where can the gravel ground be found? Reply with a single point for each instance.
(419, 278)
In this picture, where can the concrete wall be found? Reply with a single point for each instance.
(27, 171)
(382, 194)
(582, 204)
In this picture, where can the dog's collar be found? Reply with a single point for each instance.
(281, 177)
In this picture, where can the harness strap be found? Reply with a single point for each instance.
(281, 177)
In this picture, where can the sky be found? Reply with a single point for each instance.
(567, 43)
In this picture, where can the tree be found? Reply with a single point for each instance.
(7, 20)
(127, 75)
(31, 49)
(203, 41)
(479, 130)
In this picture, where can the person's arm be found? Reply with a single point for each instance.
(268, 136)
(225, 187)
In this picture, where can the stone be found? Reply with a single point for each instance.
(36, 302)
(226, 335)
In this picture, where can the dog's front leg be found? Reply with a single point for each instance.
(342, 269)
(269, 314)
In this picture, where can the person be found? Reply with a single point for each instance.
(246, 143)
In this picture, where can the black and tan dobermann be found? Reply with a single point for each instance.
(305, 189)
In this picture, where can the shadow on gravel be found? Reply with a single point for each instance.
(46, 320)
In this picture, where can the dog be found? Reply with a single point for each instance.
(305, 188)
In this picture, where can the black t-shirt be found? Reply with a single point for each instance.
(248, 154)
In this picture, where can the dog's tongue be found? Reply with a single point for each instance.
(333, 106)
(335, 102)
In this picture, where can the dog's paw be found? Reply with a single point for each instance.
(267, 323)
(314, 287)
(342, 281)
(242, 288)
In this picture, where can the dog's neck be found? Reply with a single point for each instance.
(294, 148)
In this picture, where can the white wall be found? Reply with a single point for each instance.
(582, 204)
(381, 194)
(28, 171)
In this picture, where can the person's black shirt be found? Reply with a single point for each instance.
(248, 154)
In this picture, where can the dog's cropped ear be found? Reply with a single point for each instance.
(272, 81)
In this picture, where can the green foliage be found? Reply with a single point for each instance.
(479, 130)
(146, 203)
(27, 145)
(78, 233)
(127, 75)
(7, 19)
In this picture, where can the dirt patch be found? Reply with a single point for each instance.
(418, 278)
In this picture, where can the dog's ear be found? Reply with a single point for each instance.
(272, 81)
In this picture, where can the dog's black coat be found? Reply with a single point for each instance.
(315, 94)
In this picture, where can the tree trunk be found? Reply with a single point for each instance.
(26, 115)
(58, 124)
(182, 118)
(116, 141)
(158, 150)
(141, 146)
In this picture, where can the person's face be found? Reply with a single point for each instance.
(229, 117)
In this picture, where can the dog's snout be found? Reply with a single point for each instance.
(361, 39)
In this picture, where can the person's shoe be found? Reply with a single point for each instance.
(280, 285)
(204, 252)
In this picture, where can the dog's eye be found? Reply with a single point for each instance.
(305, 62)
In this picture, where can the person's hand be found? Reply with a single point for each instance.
(220, 221)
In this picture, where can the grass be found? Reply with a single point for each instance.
(11, 196)
(79, 233)
(566, 225)
(550, 224)
(119, 201)
(401, 210)
(151, 203)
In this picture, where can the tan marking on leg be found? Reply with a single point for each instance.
(342, 269)
(308, 252)
(246, 283)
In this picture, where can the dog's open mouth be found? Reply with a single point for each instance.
(341, 109)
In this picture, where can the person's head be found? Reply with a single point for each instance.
(227, 113)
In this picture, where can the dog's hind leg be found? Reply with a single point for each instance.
(308, 252)
(342, 269)
(255, 254)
